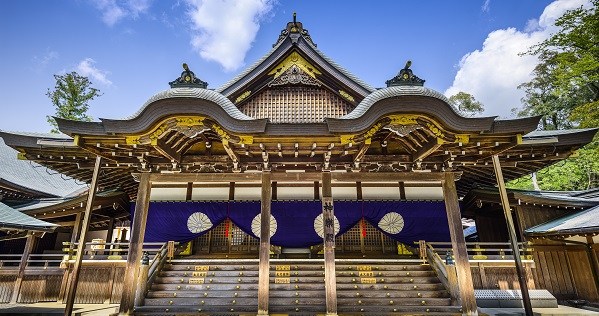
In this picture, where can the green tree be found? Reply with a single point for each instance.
(70, 98)
(565, 87)
(466, 104)
(565, 91)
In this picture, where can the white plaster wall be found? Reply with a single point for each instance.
(380, 193)
(295, 193)
(210, 194)
(424, 193)
(345, 192)
(168, 194)
(248, 193)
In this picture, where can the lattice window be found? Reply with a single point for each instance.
(217, 241)
(374, 241)
(296, 104)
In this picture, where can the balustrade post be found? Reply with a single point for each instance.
(142, 279)
(22, 265)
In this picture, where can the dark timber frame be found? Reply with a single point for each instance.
(266, 178)
(83, 232)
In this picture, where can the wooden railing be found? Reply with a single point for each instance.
(156, 263)
(492, 264)
(485, 250)
(12, 261)
(46, 275)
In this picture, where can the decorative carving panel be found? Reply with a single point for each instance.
(296, 104)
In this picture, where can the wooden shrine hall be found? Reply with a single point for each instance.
(294, 153)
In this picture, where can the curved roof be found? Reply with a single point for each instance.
(13, 219)
(419, 99)
(186, 100)
(198, 93)
(33, 177)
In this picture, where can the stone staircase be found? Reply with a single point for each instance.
(230, 287)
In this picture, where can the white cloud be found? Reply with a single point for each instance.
(493, 73)
(87, 68)
(486, 6)
(40, 62)
(115, 10)
(223, 30)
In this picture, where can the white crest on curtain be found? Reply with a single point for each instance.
(256, 225)
(198, 222)
(319, 225)
(391, 223)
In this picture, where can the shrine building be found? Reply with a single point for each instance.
(294, 188)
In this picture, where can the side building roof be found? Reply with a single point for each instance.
(31, 178)
(583, 222)
(11, 219)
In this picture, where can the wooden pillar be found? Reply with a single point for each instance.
(505, 203)
(91, 195)
(458, 245)
(76, 231)
(328, 217)
(109, 233)
(138, 231)
(264, 267)
(29, 244)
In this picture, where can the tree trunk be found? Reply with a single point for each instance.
(535, 184)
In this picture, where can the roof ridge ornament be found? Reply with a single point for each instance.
(294, 28)
(188, 79)
(405, 77)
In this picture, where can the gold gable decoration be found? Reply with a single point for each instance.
(294, 59)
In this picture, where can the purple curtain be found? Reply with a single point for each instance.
(297, 223)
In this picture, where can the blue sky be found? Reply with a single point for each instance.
(131, 49)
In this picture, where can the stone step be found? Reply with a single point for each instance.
(390, 280)
(303, 287)
(295, 266)
(293, 293)
(205, 301)
(206, 280)
(208, 299)
(298, 311)
(294, 273)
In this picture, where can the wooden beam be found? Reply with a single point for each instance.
(424, 151)
(91, 195)
(505, 202)
(328, 217)
(167, 151)
(189, 191)
(135, 244)
(230, 151)
(300, 176)
(263, 268)
(22, 265)
(458, 245)
(359, 156)
(13, 236)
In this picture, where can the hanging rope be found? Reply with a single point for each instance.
(227, 222)
(363, 223)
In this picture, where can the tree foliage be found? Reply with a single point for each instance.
(466, 104)
(70, 98)
(565, 91)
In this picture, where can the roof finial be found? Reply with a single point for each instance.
(405, 77)
(188, 79)
(294, 28)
